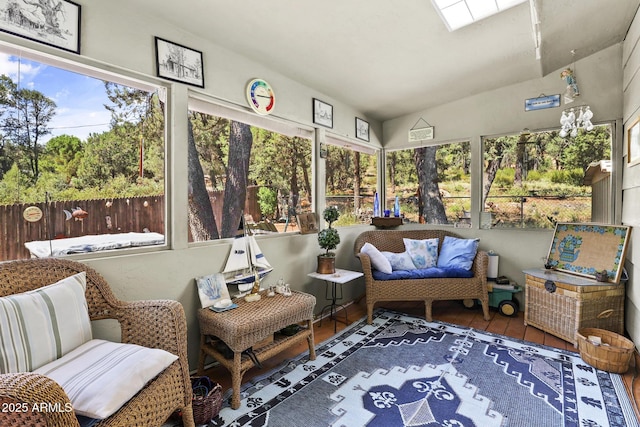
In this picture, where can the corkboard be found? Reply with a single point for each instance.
(583, 249)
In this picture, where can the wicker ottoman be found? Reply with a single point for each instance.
(568, 303)
(250, 324)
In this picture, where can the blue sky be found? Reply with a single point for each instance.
(80, 99)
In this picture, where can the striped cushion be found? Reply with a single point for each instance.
(42, 325)
(101, 376)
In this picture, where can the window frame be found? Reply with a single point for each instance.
(114, 74)
(615, 177)
(197, 101)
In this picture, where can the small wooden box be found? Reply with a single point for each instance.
(561, 303)
(386, 222)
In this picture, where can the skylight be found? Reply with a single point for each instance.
(459, 13)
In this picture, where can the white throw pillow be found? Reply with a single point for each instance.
(42, 325)
(399, 261)
(423, 253)
(101, 376)
(378, 261)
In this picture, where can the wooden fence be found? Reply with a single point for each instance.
(104, 216)
(110, 216)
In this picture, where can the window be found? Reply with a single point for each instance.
(81, 154)
(245, 169)
(351, 180)
(535, 179)
(432, 183)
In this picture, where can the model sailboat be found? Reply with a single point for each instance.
(245, 261)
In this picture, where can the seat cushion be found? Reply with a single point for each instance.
(457, 253)
(101, 376)
(424, 273)
(378, 261)
(42, 325)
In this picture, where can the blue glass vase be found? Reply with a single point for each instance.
(396, 208)
(376, 205)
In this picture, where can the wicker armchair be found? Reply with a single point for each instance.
(427, 290)
(153, 323)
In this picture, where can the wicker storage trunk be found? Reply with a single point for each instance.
(562, 303)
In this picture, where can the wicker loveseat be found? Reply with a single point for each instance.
(152, 324)
(420, 289)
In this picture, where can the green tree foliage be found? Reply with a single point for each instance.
(137, 119)
(106, 156)
(268, 200)
(24, 121)
(63, 155)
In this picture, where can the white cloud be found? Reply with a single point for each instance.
(10, 65)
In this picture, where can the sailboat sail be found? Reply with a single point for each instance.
(245, 259)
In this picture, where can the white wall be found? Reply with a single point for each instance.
(502, 111)
(631, 176)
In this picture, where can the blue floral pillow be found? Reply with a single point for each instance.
(399, 261)
(458, 253)
(423, 253)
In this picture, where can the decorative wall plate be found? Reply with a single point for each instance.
(260, 96)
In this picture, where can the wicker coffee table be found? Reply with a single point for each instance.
(249, 324)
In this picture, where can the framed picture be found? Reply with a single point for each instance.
(179, 63)
(211, 289)
(307, 223)
(322, 113)
(584, 249)
(55, 24)
(362, 129)
(633, 143)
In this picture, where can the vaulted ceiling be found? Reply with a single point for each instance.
(389, 58)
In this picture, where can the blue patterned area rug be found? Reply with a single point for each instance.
(405, 371)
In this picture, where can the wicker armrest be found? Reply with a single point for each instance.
(34, 400)
(480, 265)
(365, 261)
(154, 324)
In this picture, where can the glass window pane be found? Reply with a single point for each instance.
(432, 184)
(351, 182)
(239, 172)
(536, 179)
(81, 160)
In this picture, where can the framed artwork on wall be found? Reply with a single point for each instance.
(362, 129)
(55, 24)
(179, 63)
(322, 113)
(633, 143)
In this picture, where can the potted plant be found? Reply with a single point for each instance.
(328, 240)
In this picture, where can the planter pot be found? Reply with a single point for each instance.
(326, 264)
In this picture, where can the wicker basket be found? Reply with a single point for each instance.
(207, 399)
(614, 357)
